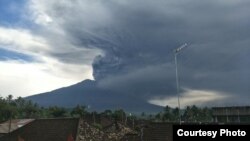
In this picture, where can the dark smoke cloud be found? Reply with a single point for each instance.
(137, 38)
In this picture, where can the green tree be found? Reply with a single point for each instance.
(79, 111)
(31, 110)
(119, 115)
(56, 112)
(160, 116)
(168, 116)
(143, 115)
(108, 114)
(9, 98)
(195, 114)
(206, 115)
(175, 114)
(7, 108)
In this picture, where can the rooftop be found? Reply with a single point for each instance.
(12, 125)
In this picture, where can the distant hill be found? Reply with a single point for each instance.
(87, 93)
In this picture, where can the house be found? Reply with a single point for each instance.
(153, 131)
(234, 114)
(75, 129)
(64, 129)
(10, 126)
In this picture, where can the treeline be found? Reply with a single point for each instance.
(20, 108)
(189, 114)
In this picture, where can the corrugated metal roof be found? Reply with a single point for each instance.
(45, 130)
(7, 127)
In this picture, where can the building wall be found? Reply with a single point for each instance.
(161, 131)
(232, 114)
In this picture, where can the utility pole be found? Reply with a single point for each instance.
(10, 122)
(176, 52)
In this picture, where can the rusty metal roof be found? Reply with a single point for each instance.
(8, 126)
(59, 129)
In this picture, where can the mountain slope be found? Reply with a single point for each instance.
(87, 93)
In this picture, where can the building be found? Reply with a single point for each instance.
(234, 114)
(64, 129)
(10, 126)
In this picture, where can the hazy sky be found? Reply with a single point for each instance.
(127, 45)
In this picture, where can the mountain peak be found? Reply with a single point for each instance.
(86, 92)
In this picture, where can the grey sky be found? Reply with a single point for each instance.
(137, 39)
(130, 44)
